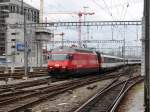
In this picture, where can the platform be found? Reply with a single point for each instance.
(134, 101)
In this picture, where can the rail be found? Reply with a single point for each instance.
(34, 97)
(104, 103)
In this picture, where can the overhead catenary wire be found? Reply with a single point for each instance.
(108, 8)
(104, 9)
(122, 11)
(117, 9)
(111, 7)
(127, 6)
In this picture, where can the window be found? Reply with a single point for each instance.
(109, 60)
(13, 39)
(14, 9)
(58, 57)
(11, 8)
(4, 1)
(18, 9)
(2, 60)
(2, 39)
(13, 33)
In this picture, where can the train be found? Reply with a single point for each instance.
(73, 61)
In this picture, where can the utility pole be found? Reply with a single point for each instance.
(124, 45)
(112, 32)
(80, 14)
(80, 31)
(25, 43)
(41, 10)
(22, 9)
(62, 38)
(85, 11)
(147, 55)
(6, 47)
(88, 29)
(124, 51)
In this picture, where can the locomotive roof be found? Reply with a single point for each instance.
(72, 49)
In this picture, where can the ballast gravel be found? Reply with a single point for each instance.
(71, 99)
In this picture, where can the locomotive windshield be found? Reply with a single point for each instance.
(56, 57)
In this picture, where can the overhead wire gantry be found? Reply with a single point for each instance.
(86, 23)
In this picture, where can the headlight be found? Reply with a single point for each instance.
(57, 65)
(50, 67)
(64, 67)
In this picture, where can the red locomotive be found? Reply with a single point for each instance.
(64, 61)
(70, 61)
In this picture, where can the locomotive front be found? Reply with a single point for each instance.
(68, 61)
(59, 63)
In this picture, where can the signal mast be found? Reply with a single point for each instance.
(79, 14)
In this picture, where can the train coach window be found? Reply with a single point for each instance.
(112, 60)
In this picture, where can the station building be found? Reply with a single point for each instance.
(12, 38)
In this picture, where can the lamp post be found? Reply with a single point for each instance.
(6, 47)
(62, 38)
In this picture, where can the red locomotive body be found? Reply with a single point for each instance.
(66, 61)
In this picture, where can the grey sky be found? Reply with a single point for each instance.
(104, 9)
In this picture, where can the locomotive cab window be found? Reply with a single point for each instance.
(59, 57)
(70, 57)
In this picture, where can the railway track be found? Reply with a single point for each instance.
(20, 86)
(22, 100)
(108, 99)
(14, 98)
(19, 73)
